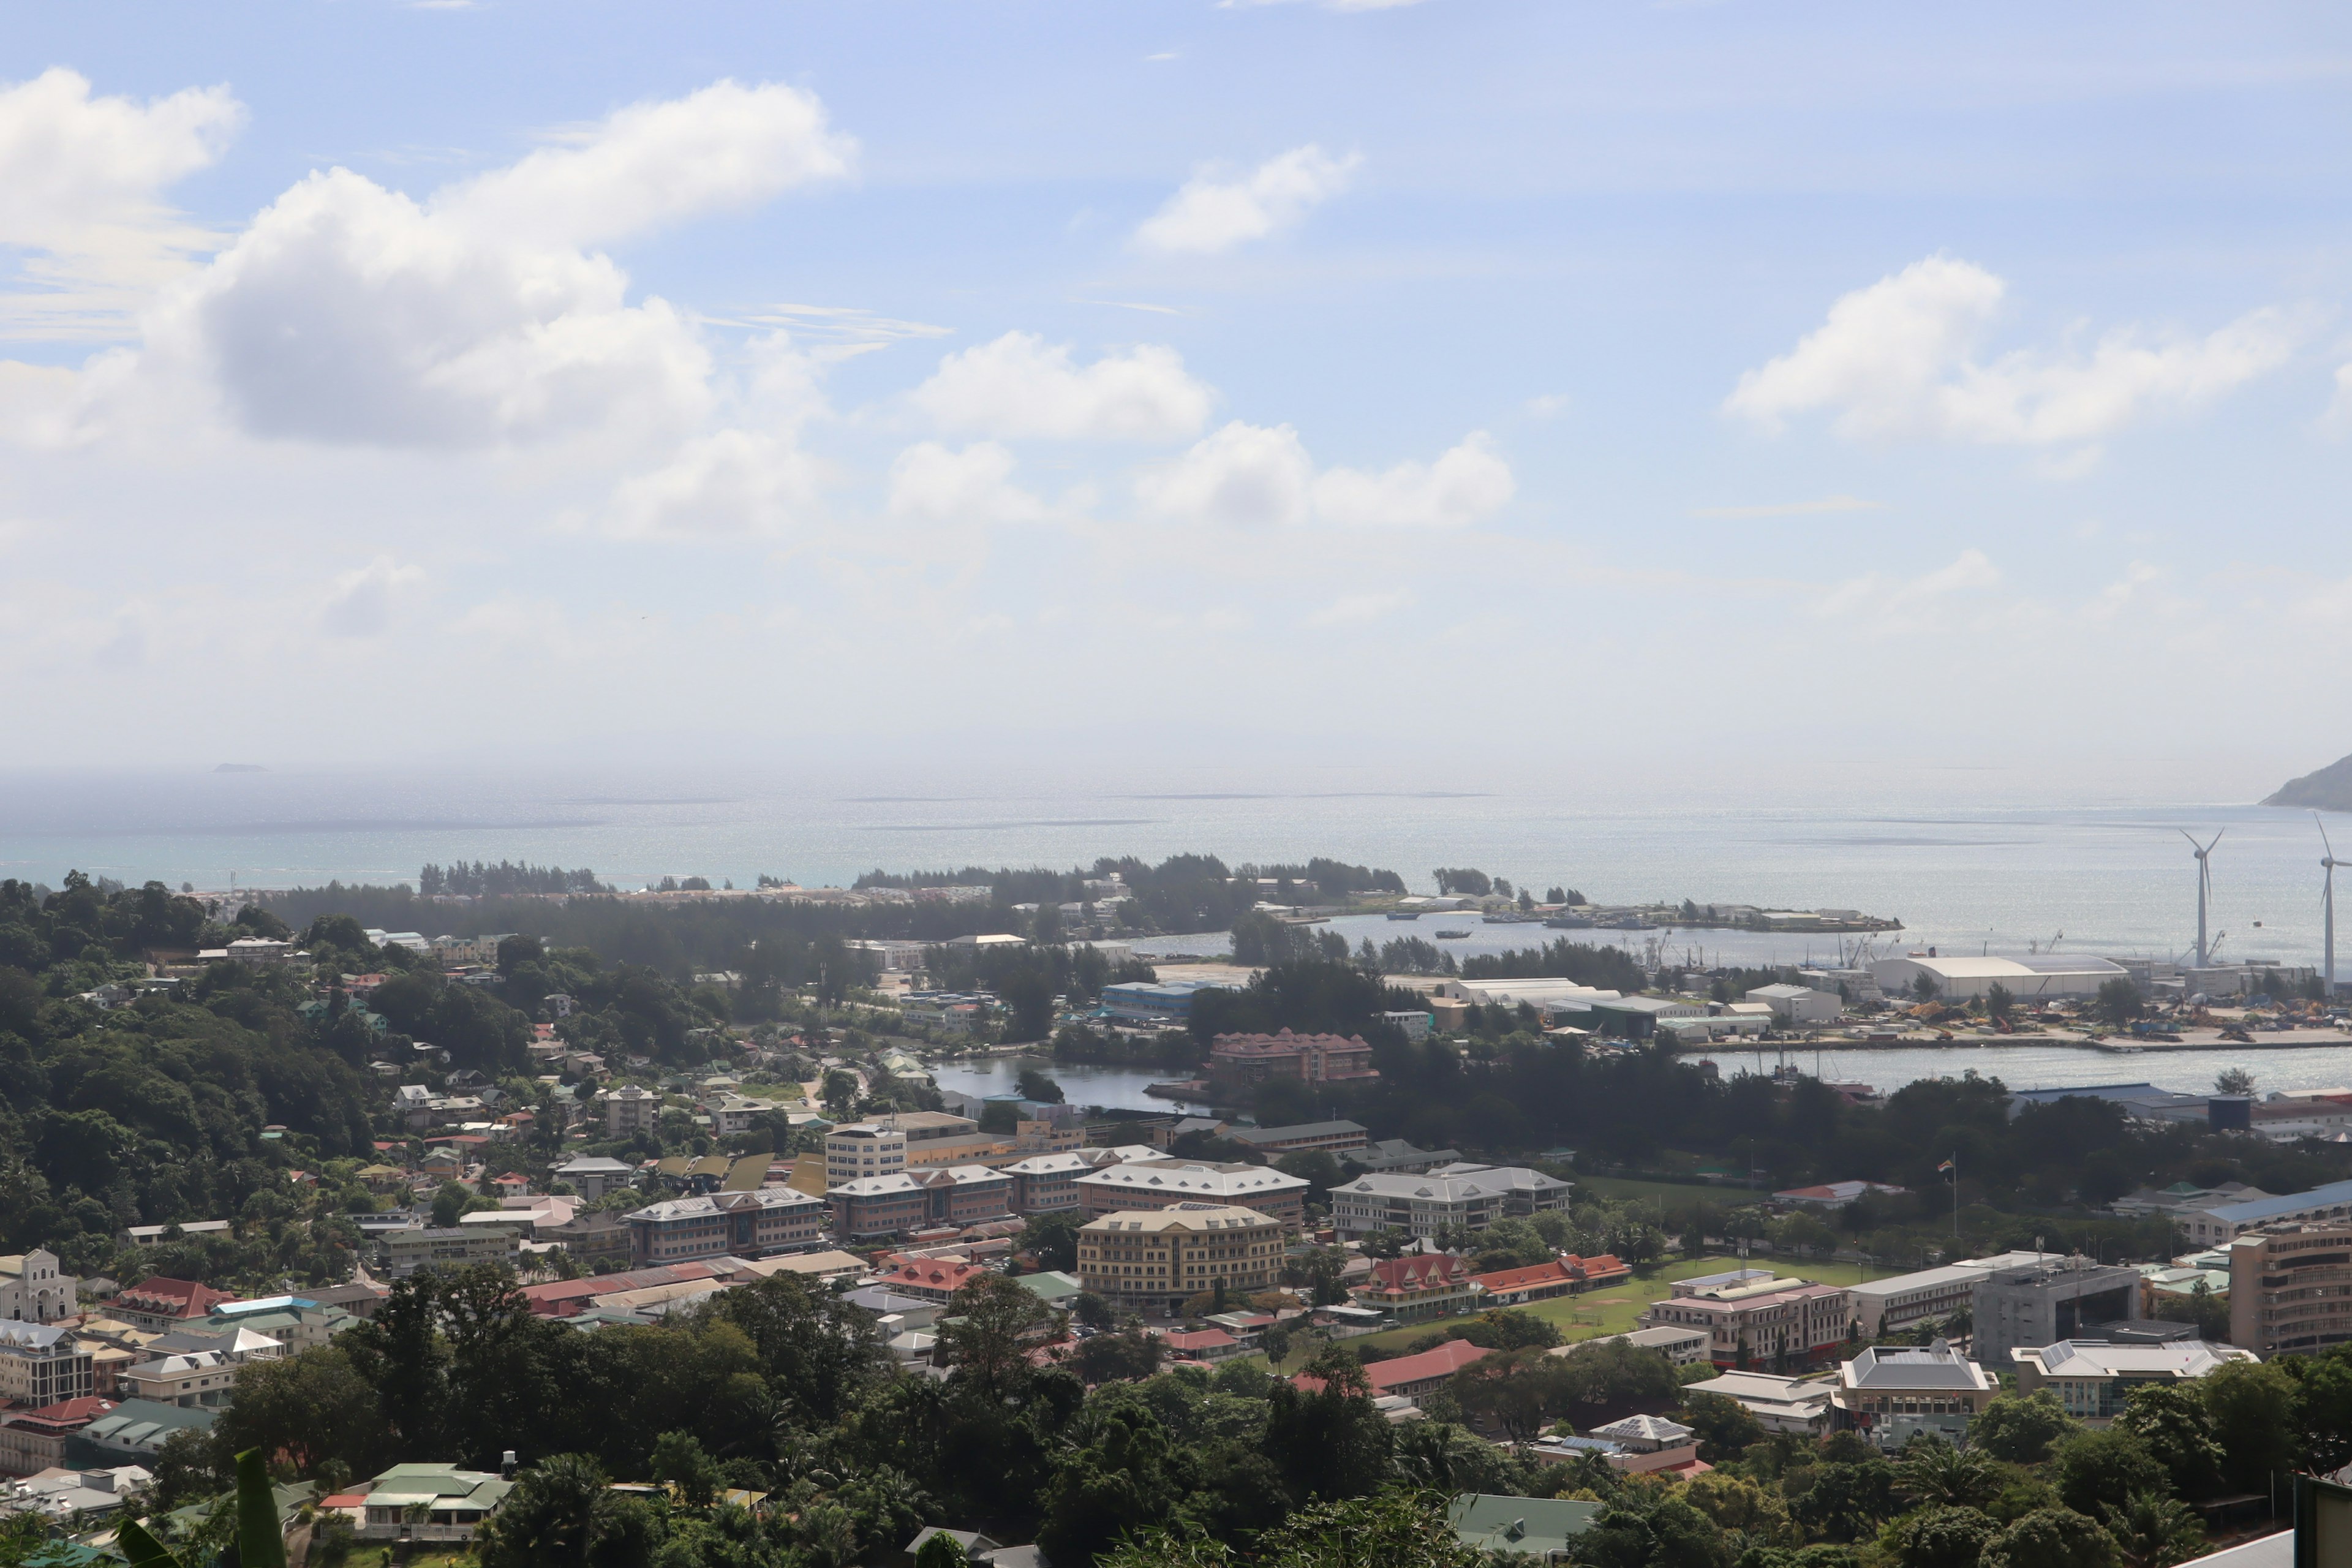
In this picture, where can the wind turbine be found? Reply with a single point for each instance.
(2204, 886)
(2327, 902)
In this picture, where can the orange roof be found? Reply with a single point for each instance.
(1554, 1272)
(1422, 1271)
(1599, 1263)
(1443, 1362)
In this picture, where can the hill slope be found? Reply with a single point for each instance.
(2330, 789)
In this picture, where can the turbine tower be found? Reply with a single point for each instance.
(2204, 885)
(2328, 903)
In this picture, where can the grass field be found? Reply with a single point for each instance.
(1618, 1309)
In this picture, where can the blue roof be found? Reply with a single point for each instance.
(2260, 1209)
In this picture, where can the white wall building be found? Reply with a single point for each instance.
(1960, 978)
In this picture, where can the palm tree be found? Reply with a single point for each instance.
(2156, 1531)
(1935, 1472)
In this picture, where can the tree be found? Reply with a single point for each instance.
(1801, 1233)
(1113, 1358)
(2019, 1430)
(1736, 1503)
(1935, 1472)
(2049, 1538)
(1389, 1529)
(1642, 1526)
(309, 1408)
(2252, 1404)
(560, 1511)
(942, 1551)
(2093, 1468)
(1052, 1238)
(260, 1540)
(2323, 1407)
(986, 1331)
(1999, 1002)
(1848, 1501)
(1924, 986)
(1725, 1426)
(1091, 1311)
(2174, 1424)
(1942, 1537)
(2233, 1080)
(680, 1461)
(2154, 1531)
(1515, 1387)
(1035, 1085)
(2118, 1002)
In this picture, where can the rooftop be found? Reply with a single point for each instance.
(1937, 1365)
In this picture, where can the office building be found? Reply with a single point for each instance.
(2291, 1288)
(2093, 1378)
(1151, 1261)
(1893, 1394)
(2043, 1302)
(758, 1224)
(1469, 1195)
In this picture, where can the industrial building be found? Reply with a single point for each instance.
(1960, 978)
(2043, 1302)
(1799, 1006)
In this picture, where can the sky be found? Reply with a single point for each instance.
(1657, 388)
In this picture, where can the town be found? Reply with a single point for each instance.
(440, 1223)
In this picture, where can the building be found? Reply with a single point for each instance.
(1753, 1320)
(1237, 1060)
(198, 1378)
(1420, 1285)
(930, 1278)
(2320, 1205)
(41, 1364)
(34, 1289)
(1468, 1195)
(1411, 1376)
(1799, 1006)
(1540, 1530)
(593, 1175)
(297, 1323)
(1391, 1154)
(1151, 1261)
(404, 1251)
(2092, 1378)
(430, 1503)
(1683, 1347)
(1890, 1395)
(162, 1304)
(1647, 1443)
(2042, 977)
(72, 1499)
(1930, 1295)
(1831, 1195)
(890, 1144)
(1048, 1183)
(1798, 1405)
(1566, 1275)
(1332, 1137)
(874, 1206)
(132, 1433)
(1157, 1182)
(35, 1440)
(1167, 1001)
(630, 1108)
(2291, 1288)
(2043, 1302)
(756, 1223)
(591, 1236)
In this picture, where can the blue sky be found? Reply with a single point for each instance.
(1820, 381)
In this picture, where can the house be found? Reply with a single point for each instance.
(1799, 1405)
(1683, 1347)
(1517, 1286)
(1892, 1395)
(1333, 1137)
(757, 1223)
(1424, 1285)
(1471, 1197)
(1410, 1376)
(34, 1289)
(434, 1502)
(1648, 1443)
(979, 1550)
(42, 1365)
(929, 1278)
(962, 1195)
(162, 1303)
(1542, 1530)
(2092, 1378)
(1832, 1194)
(1199, 1345)
(1237, 1060)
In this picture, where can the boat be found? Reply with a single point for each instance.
(1452, 935)
(1569, 922)
(1512, 919)
(1404, 914)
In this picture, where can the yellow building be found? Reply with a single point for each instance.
(1151, 1261)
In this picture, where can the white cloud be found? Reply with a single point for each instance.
(360, 604)
(83, 178)
(1243, 476)
(1888, 601)
(730, 484)
(1899, 358)
(931, 484)
(1210, 213)
(1324, 5)
(725, 146)
(1790, 508)
(1354, 609)
(350, 313)
(1250, 475)
(1463, 485)
(1019, 385)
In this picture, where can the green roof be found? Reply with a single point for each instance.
(1051, 1286)
(1536, 1526)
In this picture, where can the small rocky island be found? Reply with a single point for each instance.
(2330, 789)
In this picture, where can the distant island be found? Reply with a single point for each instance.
(2330, 789)
(240, 768)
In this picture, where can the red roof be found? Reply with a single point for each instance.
(931, 1274)
(1600, 1265)
(1422, 1271)
(164, 1293)
(70, 1415)
(1198, 1339)
(1443, 1362)
(1552, 1273)
(567, 1297)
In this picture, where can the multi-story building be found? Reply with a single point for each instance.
(404, 1251)
(962, 1195)
(1157, 1183)
(630, 1108)
(41, 1363)
(733, 1113)
(2092, 1378)
(1752, 1319)
(2321, 1206)
(1235, 1060)
(593, 1175)
(35, 1290)
(1167, 1001)
(1422, 1284)
(1468, 1197)
(910, 1139)
(1152, 1261)
(297, 1323)
(32, 1441)
(198, 1379)
(758, 1224)
(591, 1236)
(1683, 1347)
(1891, 1395)
(162, 1303)
(2291, 1288)
(2041, 1302)
(1332, 1137)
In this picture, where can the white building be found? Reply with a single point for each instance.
(1797, 1405)
(862, 1149)
(1799, 1006)
(629, 1109)
(1961, 978)
(34, 1289)
(1472, 1197)
(2092, 1378)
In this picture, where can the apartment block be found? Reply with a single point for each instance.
(2291, 1288)
(1153, 1260)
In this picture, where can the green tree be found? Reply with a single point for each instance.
(1726, 1427)
(1639, 1527)
(2118, 1002)
(1391, 1529)
(680, 1461)
(1999, 1002)
(1935, 1472)
(1848, 1501)
(307, 1408)
(2019, 1430)
(942, 1551)
(2173, 1422)
(560, 1512)
(2153, 1530)
(989, 1330)
(2049, 1538)
(1052, 1238)
(2253, 1405)
(1940, 1536)
(2233, 1080)
(2090, 1468)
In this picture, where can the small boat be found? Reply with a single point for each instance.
(1404, 914)
(1452, 935)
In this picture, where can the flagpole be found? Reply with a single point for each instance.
(1956, 1194)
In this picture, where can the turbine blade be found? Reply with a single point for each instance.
(2315, 822)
